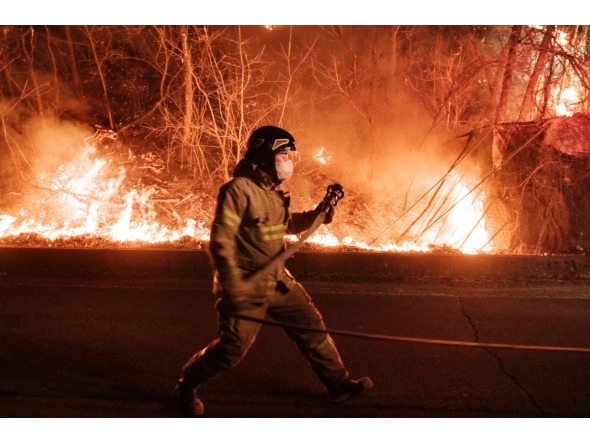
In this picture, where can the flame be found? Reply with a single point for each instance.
(565, 96)
(323, 157)
(566, 101)
(462, 228)
(82, 197)
(562, 38)
(89, 196)
(465, 223)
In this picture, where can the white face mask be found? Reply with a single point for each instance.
(284, 170)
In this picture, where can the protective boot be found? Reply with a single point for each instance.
(190, 405)
(349, 387)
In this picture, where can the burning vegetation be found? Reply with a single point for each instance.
(468, 139)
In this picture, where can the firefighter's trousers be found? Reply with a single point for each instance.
(292, 306)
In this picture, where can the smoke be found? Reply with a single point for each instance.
(382, 161)
(41, 144)
(33, 148)
(54, 142)
(385, 165)
(380, 137)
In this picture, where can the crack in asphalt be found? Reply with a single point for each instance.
(498, 359)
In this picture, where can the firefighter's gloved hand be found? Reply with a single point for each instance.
(238, 288)
(240, 296)
(330, 211)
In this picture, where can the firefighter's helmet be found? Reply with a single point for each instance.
(267, 141)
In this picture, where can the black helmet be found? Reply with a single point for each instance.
(267, 141)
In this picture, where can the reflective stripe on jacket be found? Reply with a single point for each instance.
(251, 220)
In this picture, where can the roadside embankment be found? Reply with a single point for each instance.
(194, 264)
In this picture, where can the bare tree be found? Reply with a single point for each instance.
(99, 60)
(529, 100)
(73, 62)
(29, 43)
(508, 67)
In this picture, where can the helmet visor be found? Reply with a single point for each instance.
(293, 156)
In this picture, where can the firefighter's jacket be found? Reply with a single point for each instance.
(251, 220)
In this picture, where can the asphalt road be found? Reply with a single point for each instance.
(113, 349)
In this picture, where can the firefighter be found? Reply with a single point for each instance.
(251, 219)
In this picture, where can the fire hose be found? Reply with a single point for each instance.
(412, 339)
(333, 195)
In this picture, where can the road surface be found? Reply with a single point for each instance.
(113, 348)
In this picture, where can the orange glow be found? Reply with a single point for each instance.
(462, 228)
(323, 157)
(87, 196)
(565, 97)
(566, 101)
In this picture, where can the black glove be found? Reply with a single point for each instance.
(329, 214)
